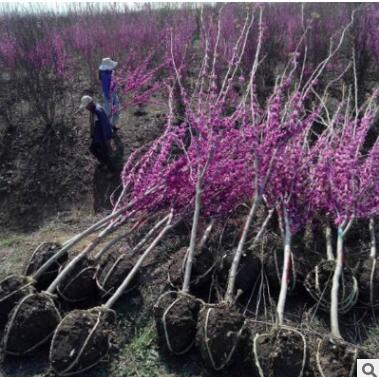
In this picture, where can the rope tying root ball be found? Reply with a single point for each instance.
(81, 341)
(337, 358)
(281, 352)
(112, 271)
(12, 289)
(318, 283)
(79, 285)
(176, 317)
(42, 254)
(222, 336)
(31, 324)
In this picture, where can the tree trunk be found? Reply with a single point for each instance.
(372, 238)
(329, 245)
(191, 251)
(336, 285)
(285, 273)
(229, 295)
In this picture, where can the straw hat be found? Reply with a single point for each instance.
(107, 64)
(85, 100)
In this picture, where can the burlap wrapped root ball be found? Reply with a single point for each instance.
(280, 353)
(81, 341)
(31, 324)
(202, 268)
(175, 316)
(369, 282)
(79, 285)
(41, 255)
(12, 289)
(222, 336)
(112, 272)
(318, 284)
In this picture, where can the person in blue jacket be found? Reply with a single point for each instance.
(109, 89)
(101, 132)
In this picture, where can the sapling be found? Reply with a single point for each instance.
(176, 312)
(345, 185)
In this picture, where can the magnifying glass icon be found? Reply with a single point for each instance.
(369, 370)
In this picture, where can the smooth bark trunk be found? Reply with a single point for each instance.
(285, 273)
(229, 295)
(334, 323)
(136, 267)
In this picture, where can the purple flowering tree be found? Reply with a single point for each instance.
(345, 182)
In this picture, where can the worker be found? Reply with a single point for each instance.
(108, 80)
(101, 132)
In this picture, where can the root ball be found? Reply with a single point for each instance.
(319, 281)
(43, 253)
(202, 267)
(12, 289)
(280, 353)
(79, 285)
(112, 272)
(80, 341)
(221, 337)
(30, 324)
(176, 318)
(336, 358)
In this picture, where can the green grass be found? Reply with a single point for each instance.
(139, 358)
(7, 242)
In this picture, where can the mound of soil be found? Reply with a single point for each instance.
(280, 353)
(369, 282)
(249, 271)
(113, 271)
(80, 341)
(336, 358)
(201, 273)
(222, 336)
(319, 281)
(44, 170)
(12, 289)
(79, 285)
(30, 324)
(176, 317)
(43, 253)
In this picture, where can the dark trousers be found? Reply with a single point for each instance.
(102, 152)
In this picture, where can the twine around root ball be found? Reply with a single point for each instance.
(12, 289)
(205, 339)
(318, 284)
(354, 354)
(41, 255)
(20, 329)
(111, 274)
(258, 364)
(95, 346)
(162, 318)
(202, 269)
(80, 285)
